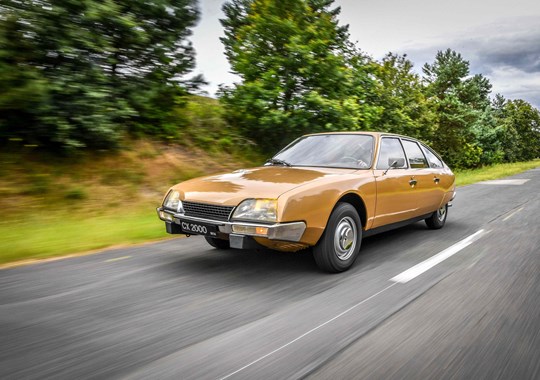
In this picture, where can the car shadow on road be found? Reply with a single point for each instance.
(289, 274)
(248, 261)
(263, 262)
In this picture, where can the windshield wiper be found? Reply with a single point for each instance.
(277, 161)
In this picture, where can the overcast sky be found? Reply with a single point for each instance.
(500, 39)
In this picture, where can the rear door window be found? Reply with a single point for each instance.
(417, 160)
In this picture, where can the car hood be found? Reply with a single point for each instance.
(262, 182)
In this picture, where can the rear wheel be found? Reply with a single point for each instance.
(438, 218)
(217, 243)
(339, 246)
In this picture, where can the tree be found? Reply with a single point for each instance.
(95, 66)
(299, 72)
(23, 86)
(400, 96)
(520, 124)
(52, 96)
(488, 135)
(147, 55)
(459, 102)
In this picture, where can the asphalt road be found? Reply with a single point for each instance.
(182, 310)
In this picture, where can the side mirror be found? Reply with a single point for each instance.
(395, 163)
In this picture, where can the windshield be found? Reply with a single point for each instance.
(353, 151)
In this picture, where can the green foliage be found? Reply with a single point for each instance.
(207, 129)
(520, 125)
(77, 73)
(299, 73)
(488, 134)
(471, 131)
(400, 95)
(458, 102)
(205, 122)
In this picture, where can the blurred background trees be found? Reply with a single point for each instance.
(82, 74)
(78, 73)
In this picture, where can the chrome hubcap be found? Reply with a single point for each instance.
(345, 238)
(441, 213)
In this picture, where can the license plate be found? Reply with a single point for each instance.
(195, 228)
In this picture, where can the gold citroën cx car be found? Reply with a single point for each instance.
(325, 191)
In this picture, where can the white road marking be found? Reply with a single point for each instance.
(425, 265)
(512, 214)
(504, 182)
(400, 278)
(117, 259)
(306, 333)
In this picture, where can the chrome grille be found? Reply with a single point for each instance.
(205, 211)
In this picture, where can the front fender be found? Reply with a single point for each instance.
(314, 204)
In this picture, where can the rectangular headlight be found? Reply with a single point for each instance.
(173, 202)
(262, 210)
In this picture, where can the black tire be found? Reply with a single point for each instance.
(333, 255)
(438, 218)
(217, 243)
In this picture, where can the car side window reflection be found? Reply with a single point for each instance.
(390, 150)
(433, 160)
(415, 155)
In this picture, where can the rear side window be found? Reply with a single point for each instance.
(391, 150)
(434, 161)
(415, 155)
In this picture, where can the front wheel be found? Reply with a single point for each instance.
(339, 246)
(438, 218)
(217, 243)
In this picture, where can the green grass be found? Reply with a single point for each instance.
(73, 204)
(46, 234)
(467, 177)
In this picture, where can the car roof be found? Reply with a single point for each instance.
(372, 133)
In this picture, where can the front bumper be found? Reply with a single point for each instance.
(291, 231)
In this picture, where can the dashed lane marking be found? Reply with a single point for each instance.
(306, 333)
(512, 214)
(504, 182)
(425, 265)
(117, 259)
(401, 278)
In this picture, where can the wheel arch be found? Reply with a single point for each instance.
(358, 203)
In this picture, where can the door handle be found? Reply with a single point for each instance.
(436, 180)
(412, 182)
